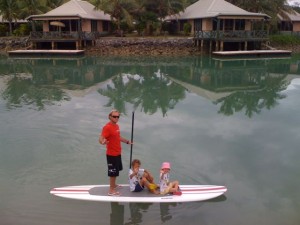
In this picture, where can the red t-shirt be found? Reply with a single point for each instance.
(111, 132)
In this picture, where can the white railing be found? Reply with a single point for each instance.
(223, 35)
(56, 35)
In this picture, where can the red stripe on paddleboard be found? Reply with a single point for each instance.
(204, 189)
(69, 190)
(67, 193)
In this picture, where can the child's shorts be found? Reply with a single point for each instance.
(138, 188)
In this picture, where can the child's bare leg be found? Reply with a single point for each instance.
(174, 186)
(149, 177)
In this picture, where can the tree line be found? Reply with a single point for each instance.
(13, 10)
(140, 14)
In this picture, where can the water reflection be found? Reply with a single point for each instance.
(221, 198)
(165, 214)
(239, 85)
(22, 90)
(151, 92)
(257, 159)
(247, 86)
(136, 212)
(117, 213)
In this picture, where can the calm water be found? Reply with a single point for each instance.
(233, 123)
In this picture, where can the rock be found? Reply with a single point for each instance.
(13, 43)
(126, 46)
(143, 46)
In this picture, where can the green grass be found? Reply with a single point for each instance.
(280, 39)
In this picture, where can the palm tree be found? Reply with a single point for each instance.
(120, 10)
(157, 10)
(31, 7)
(168, 7)
(52, 4)
(9, 10)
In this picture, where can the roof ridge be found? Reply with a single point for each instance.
(211, 5)
(213, 8)
(77, 3)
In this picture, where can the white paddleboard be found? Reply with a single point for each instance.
(190, 193)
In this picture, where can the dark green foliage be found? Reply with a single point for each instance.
(3, 29)
(285, 39)
(22, 30)
(134, 11)
(187, 28)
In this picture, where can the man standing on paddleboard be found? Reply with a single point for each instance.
(111, 137)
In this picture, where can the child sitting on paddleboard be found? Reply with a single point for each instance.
(139, 178)
(167, 187)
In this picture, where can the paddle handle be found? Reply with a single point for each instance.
(132, 125)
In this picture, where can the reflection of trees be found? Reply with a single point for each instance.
(151, 93)
(117, 94)
(254, 101)
(46, 80)
(248, 85)
(22, 91)
(255, 84)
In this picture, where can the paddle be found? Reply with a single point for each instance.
(132, 124)
(151, 186)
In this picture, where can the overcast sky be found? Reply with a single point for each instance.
(293, 2)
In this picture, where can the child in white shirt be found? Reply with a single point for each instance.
(139, 178)
(167, 187)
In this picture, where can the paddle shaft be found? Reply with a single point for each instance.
(132, 125)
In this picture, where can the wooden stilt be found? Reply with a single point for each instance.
(222, 46)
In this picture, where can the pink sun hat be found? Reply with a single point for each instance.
(166, 165)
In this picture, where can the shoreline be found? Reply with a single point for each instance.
(141, 46)
(130, 46)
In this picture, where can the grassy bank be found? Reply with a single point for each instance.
(286, 42)
(285, 39)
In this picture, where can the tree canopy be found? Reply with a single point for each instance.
(143, 13)
(269, 7)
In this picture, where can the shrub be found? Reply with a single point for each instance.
(22, 30)
(3, 30)
(187, 27)
(140, 27)
(170, 27)
(281, 39)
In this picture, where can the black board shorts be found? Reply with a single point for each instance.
(114, 165)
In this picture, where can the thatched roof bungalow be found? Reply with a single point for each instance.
(76, 21)
(221, 22)
(289, 21)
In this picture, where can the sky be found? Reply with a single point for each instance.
(293, 2)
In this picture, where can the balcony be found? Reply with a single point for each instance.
(232, 36)
(65, 36)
